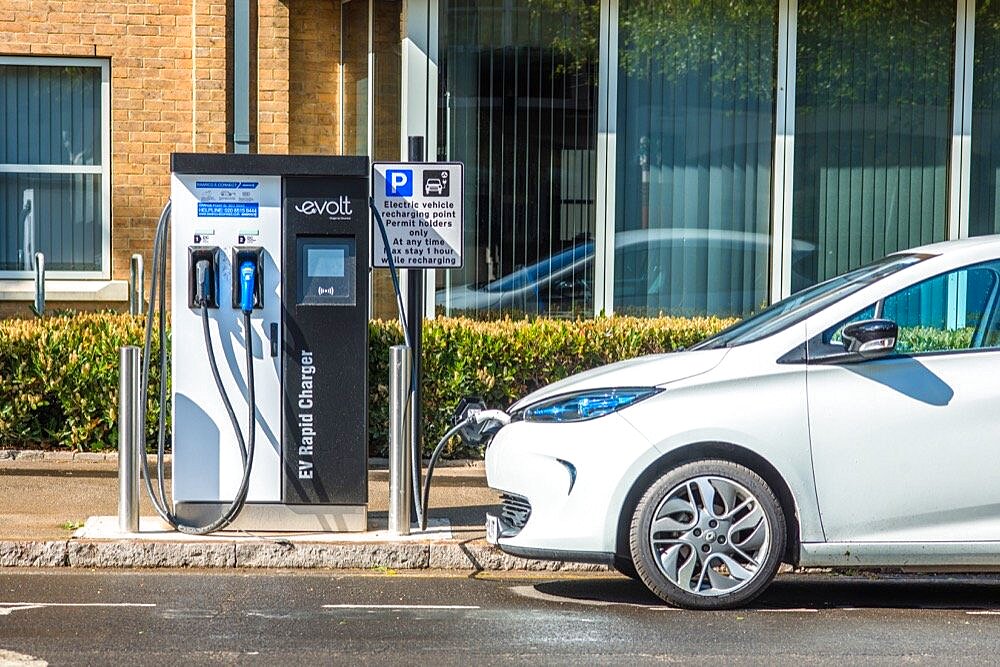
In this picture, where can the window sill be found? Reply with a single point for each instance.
(66, 290)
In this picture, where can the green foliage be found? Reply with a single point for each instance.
(59, 380)
(847, 53)
(504, 360)
(59, 375)
(913, 340)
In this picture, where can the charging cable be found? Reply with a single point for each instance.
(205, 283)
(486, 420)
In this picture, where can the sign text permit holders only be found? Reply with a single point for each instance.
(421, 206)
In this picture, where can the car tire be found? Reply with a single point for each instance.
(718, 537)
(624, 565)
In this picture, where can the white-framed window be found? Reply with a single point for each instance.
(55, 166)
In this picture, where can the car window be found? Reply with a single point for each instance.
(804, 304)
(952, 311)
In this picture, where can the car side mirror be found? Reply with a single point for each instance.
(871, 339)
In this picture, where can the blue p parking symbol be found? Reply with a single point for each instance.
(399, 183)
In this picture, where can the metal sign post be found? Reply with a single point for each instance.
(415, 326)
(420, 205)
(400, 506)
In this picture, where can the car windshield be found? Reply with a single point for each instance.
(798, 307)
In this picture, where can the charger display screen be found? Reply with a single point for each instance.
(325, 262)
(326, 270)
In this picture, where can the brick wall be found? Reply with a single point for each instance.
(314, 77)
(272, 76)
(387, 41)
(170, 86)
(168, 91)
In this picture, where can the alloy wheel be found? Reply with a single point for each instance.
(710, 536)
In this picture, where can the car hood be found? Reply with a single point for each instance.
(648, 371)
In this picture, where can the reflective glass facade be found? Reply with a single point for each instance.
(705, 157)
(696, 93)
(984, 209)
(872, 131)
(518, 105)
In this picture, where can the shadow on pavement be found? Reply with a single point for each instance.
(816, 591)
(951, 591)
(615, 590)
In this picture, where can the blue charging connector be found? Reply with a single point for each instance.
(248, 274)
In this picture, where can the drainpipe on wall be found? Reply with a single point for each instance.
(241, 77)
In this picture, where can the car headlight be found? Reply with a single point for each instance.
(584, 405)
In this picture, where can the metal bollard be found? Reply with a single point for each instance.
(39, 305)
(129, 439)
(399, 440)
(136, 286)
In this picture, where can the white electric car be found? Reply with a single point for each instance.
(854, 424)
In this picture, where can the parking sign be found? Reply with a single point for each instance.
(421, 205)
(399, 183)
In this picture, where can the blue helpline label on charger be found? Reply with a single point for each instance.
(227, 210)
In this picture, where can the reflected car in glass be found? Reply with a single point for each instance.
(655, 270)
(853, 424)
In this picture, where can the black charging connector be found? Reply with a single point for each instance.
(254, 255)
(203, 276)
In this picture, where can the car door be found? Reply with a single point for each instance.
(905, 447)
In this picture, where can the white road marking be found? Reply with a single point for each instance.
(984, 612)
(802, 610)
(7, 608)
(399, 606)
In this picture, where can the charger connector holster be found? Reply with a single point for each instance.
(254, 255)
(209, 290)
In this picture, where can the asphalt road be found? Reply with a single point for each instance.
(190, 617)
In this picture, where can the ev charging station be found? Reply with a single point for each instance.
(269, 293)
(268, 359)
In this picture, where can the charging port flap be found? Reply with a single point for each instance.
(254, 255)
(207, 281)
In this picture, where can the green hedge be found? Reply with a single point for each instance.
(59, 380)
(59, 375)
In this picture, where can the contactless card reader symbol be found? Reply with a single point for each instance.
(321, 291)
(436, 183)
(399, 183)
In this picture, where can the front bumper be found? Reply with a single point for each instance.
(573, 478)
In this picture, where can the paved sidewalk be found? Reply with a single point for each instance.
(44, 500)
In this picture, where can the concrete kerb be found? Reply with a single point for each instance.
(135, 554)
(396, 556)
(475, 555)
(29, 553)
